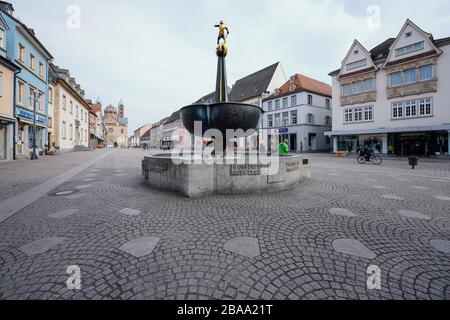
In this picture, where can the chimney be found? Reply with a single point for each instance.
(7, 7)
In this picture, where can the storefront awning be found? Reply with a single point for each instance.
(443, 127)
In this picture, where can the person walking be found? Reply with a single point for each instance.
(283, 148)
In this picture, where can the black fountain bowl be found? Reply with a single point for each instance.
(193, 113)
(223, 116)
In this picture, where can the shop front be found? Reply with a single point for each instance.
(378, 142)
(25, 132)
(430, 143)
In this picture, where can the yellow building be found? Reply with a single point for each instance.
(7, 120)
(116, 126)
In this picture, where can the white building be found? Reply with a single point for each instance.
(300, 112)
(70, 111)
(394, 97)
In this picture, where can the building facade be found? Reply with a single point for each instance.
(116, 126)
(138, 134)
(99, 135)
(394, 97)
(70, 126)
(300, 112)
(31, 83)
(8, 71)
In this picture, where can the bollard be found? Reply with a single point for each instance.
(413, 161)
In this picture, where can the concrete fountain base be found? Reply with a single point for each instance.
(269, 174)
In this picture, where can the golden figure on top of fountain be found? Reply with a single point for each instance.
(222, 47)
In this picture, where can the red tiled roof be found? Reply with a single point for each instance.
(97, 107)
(302, 82)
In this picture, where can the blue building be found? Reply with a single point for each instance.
(25, 50)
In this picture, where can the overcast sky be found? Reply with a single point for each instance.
(159, 56)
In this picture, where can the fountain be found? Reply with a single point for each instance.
(223, 171)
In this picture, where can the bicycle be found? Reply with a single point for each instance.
(376, 160)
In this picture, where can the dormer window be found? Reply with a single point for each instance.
(292, 88)
(408, 34)
(2, 39)
(409, 49)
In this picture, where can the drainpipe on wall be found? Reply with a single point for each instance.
(14, 111)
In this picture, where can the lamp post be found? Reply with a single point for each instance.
(34, 98)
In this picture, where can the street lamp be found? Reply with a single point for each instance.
(35, 99)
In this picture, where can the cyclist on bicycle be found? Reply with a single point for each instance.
(368, 152)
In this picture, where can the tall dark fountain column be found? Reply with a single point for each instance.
(221, 115)
(221, 82)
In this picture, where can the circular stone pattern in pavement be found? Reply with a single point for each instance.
(244, 246)
(41, 246)
(140, 247)
(392, 197)
(354, 248)
(414, 215)
(441, 245)
(342, 212)
(442, 198)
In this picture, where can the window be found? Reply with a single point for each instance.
(347, 89)
(82, 115)
(425, 108)
(277, 104)
(397, 110)
(360, 114)
(32, 62)
(285, 119)
(21, 53)
(285, 102)
(410, 108)
(409, 76)
(426, 72)
(357, 64)
(2, 39)
(270, 121)
(31, 97)
(71, 107)
(40, 101)
(348, 115)
(269, 106)
(310, 118)
(277, 120)
(71, 132)
(328, 103)
(293, 101)
(294, 119)
(357, 87)
(409, 49)
(50, 95)
(64, 128)
(368, 84)
(328, 121)
(1, 84)
(395, 79)
(77, 111)
(41, 70)
(310, 99)
(64, 102)
(368, 114)
(50, 122)
(21, 93)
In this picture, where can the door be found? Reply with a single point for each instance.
(312, 142)
(2, 142)
(293, 142)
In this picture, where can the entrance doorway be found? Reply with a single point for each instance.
(312, 142)
(2, 142)
(293, 142)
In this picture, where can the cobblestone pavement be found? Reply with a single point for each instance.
(314, 242)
